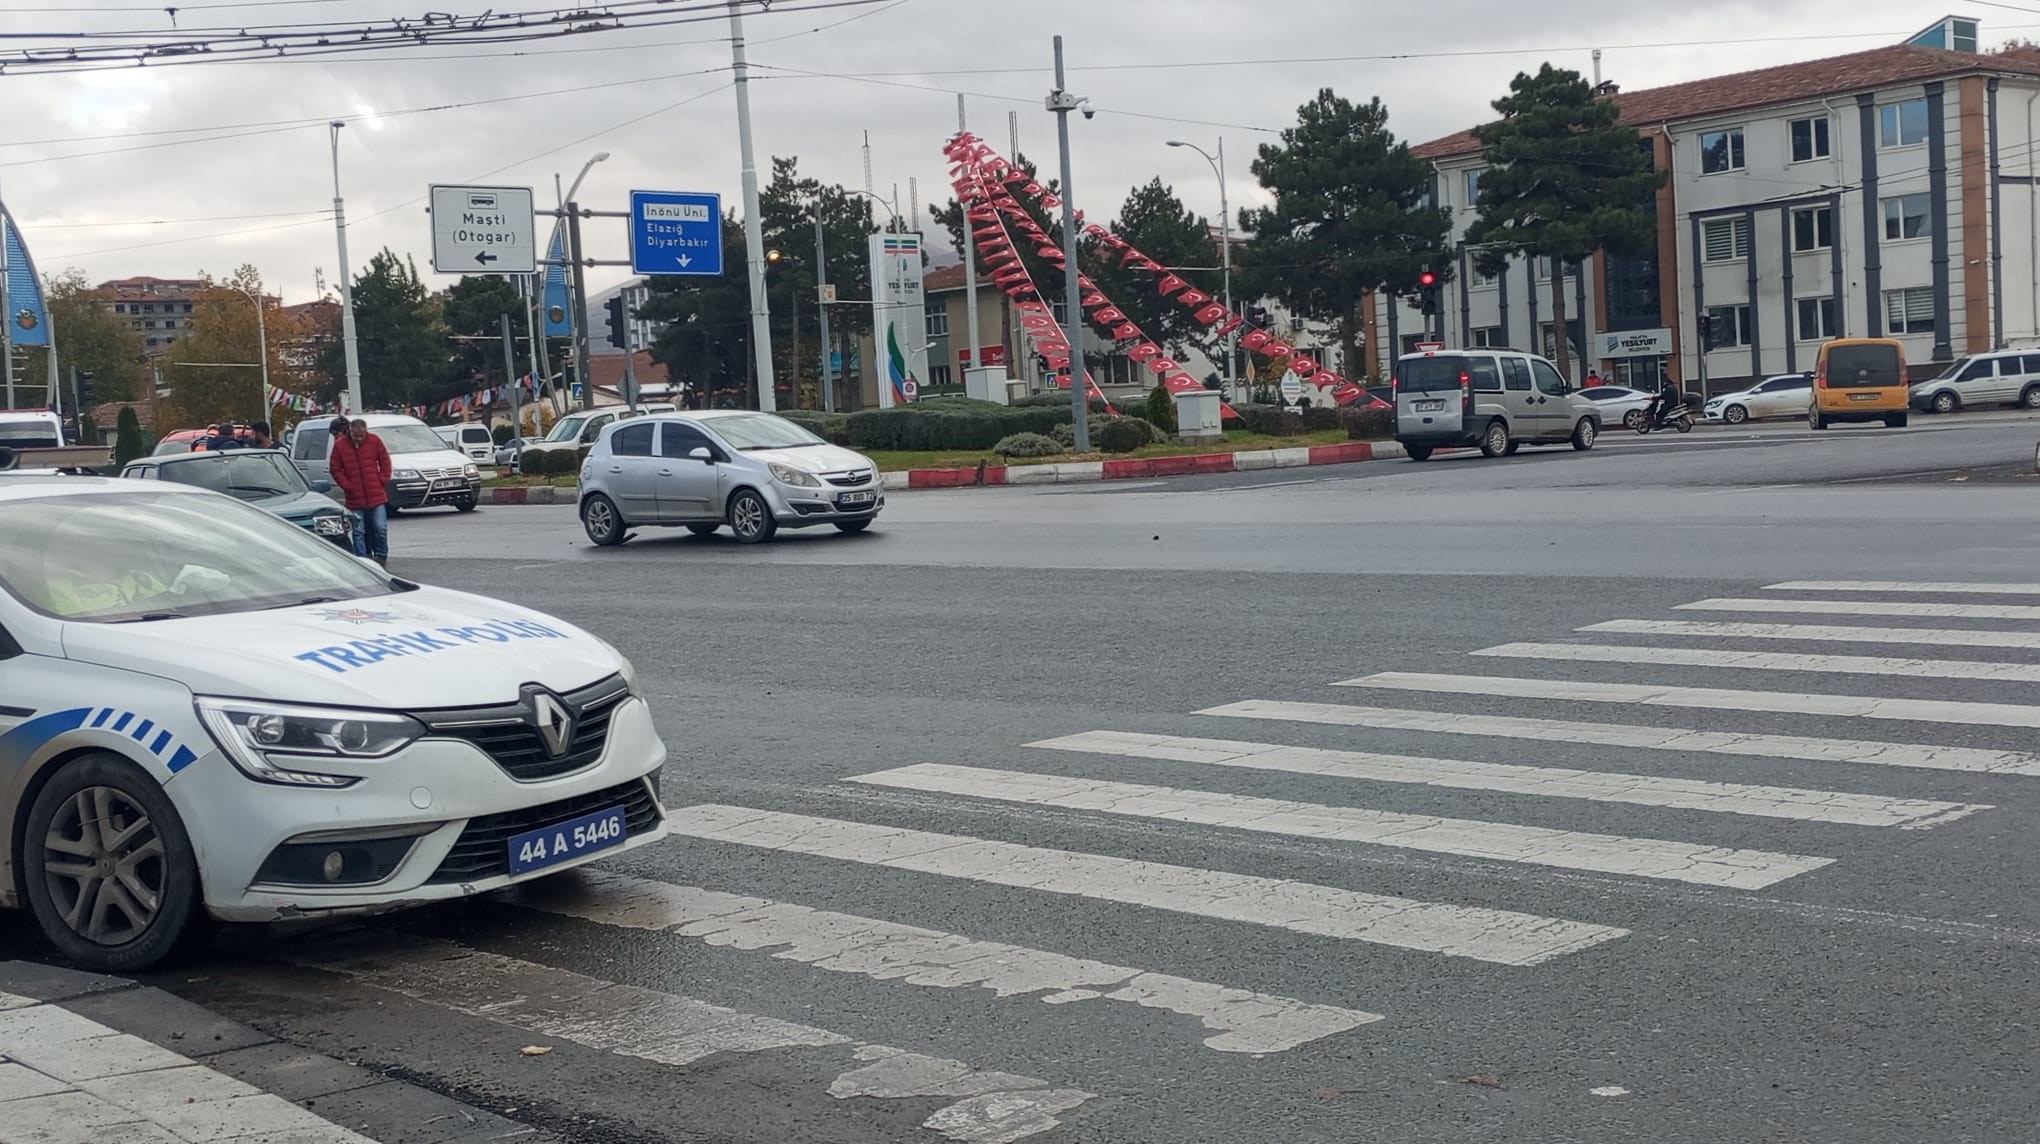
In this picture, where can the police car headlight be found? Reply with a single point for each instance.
(274, 743)
(787, 475)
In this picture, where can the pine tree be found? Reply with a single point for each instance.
(128, 442)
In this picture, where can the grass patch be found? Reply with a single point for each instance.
(1236, 441)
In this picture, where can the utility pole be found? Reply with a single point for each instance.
(970, 305)
(1225, 251)
(1061, 102)
(580, 293)
(533, 327)
(828, 373)
(754, 233)
(510, 376)
(262, 348)
(347, 340)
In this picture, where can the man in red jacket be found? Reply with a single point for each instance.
(360, 465)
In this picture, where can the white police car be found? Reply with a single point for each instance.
(208, 713)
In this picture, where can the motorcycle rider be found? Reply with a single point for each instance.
(1669, 402)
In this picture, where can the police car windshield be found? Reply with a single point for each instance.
(135, 555)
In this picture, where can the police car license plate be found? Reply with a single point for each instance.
(865, 497)
(561, 842)
(1427, 406)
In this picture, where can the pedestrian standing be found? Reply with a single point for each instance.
(258, 436)
(1593, 378)
(360, 465)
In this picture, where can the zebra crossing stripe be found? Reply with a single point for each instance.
(1818, 633)
(1711, 698)
(1245, 1021)
(1870, 752)
(1696, 864)
(1920, 608)
(668, 1028)
(1549, 782)
(1772, 661)
(1499, 936)
(1938, 588)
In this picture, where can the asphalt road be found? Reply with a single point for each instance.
(1498, 896)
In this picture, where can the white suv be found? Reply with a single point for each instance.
(1498, 400)
(2008, 377)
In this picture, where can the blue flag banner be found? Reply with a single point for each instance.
(556, 301)
(29, 322)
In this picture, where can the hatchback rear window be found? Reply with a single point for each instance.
(1866, 366)
(1429, 374)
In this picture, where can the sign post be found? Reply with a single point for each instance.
(899, 316)
(482, 230)
(676, 232)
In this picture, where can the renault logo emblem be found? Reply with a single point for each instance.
(554, 723)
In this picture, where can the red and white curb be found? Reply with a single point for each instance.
(1067, 472)
(1075, 472)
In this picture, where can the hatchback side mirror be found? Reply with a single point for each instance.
(701, 453)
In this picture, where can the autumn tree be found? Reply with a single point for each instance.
(1353, 214)
(215, 372)
(1565, 178)
(90, 337)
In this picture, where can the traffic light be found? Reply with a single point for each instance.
(618, 327)
(83, 387)
(1427, 293)
(1706, 323)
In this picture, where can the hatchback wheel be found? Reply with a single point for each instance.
(751, 518)
(1495, 442)
(852, 526)
(601, 520)
(1944, 402)
(108, 868)
(703, 529)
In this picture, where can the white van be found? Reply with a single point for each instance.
(1496, 399)
(426, 471)
(471, 438)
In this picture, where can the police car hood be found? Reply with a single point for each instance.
(423, 649)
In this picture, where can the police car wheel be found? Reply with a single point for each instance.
(108, 867)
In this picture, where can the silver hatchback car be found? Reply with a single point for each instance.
(752, 472)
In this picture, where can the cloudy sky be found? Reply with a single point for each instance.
(172, 170)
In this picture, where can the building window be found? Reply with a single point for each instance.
(1489, 337)
(1809, 139)
(1964, 35)
(1813, 228)
(1905, 216)
(938, 319)
(1902, 124)
(120, 307)
(1910, 311)
(938, 375)
(1728, 326)
(1724, 239)
(1543, 268)
(1061, 317)
(187, 307)
(150, 324)
(1721, 151)
(1480, 279)
(1473, 186)
(1816, 319)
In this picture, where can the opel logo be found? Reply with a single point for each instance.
(551, 718)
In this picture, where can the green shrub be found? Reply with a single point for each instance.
(1122, 436)
(1065, 435)
(1027, 445)
(1161, 408)
(831, 427)
(1317, 419)
(1268, 420)
(950, 424)
(1366, 424)
(502, 433)
(128, 442)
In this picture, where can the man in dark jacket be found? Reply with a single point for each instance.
(360, 465)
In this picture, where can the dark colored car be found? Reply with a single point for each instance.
(264, 478)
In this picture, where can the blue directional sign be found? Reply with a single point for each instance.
(676, 232)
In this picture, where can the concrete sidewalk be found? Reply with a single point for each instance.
(87, 1059)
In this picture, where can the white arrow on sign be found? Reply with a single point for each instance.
(686, 261)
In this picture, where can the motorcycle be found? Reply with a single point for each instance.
(1656, 420)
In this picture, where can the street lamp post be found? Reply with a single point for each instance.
(577, 287)
(1224, 253)
(348, 345)
(262, 346)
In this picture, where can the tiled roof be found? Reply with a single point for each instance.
(1833, 78)
(606, 370)
(943, 278)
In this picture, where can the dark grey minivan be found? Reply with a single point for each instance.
(1498, 400)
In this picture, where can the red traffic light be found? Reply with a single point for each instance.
(1427, 279)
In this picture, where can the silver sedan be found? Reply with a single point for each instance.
(1618, 403)
(752, 473)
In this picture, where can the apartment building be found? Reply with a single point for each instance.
(1886, 192)
(158, 308)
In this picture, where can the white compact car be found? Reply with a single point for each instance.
(1786, 395)
(208, 713)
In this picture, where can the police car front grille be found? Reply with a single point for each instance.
(483, 852)
(505, 735)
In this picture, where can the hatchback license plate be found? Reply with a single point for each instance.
(865, 497)
(1427, 406)
(552, 845)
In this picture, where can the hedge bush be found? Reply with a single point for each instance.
(831, 427)
(1161, 408)
(1123, 435)
(952, 423)
(562, 462)
(1366, 424)
(1268, 420)
(502, 433)
(1055, 399)
(1028, 445)
(1317, 419)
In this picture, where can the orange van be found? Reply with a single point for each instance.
(1859, 379)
